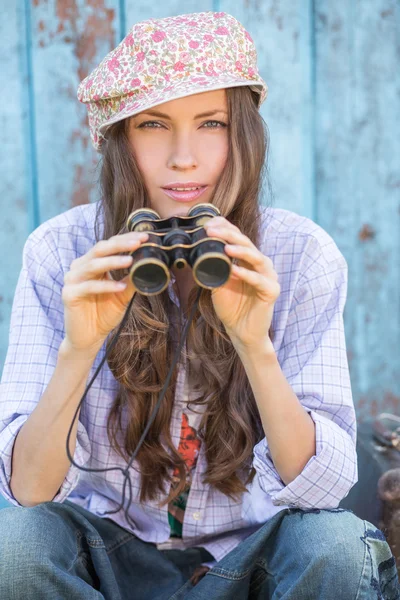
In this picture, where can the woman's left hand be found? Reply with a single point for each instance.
(245, 303)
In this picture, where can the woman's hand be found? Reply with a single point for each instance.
(245, 303)
(94, 303)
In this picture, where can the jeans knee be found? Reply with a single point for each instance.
(19, 527)
(354, 554)
(330, 539)
(322, 532)
(32, 536)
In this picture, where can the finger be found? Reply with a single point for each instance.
(234, 237)
(220, 222)
(91, 287)
(97, 267)
(217, 221)
(114, 245)
(268, 288)
(261, 263)
(230, 235)
(118, 243)
(250, 255)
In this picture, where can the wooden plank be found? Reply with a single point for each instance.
(141, 10)
(14, 158)
(69, 37)
(283, 37)
(358, 184)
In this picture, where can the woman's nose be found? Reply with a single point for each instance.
(182, 153)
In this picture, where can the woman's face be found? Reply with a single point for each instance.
(176, 143)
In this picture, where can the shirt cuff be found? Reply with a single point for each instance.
(324, 481)
(7, 439)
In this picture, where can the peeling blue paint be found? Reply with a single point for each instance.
(332, 112)
(30, 127)
(122, 20)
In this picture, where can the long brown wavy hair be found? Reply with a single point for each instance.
(141, 358)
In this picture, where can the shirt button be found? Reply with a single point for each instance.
(196, 516)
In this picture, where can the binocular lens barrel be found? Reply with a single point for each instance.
(150, 276)
(211, 271)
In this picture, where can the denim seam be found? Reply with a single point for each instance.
(234, 575)
(94, 542)
(364, 564)
(121, 542)
(81, 554)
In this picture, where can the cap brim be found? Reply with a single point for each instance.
(180, 91)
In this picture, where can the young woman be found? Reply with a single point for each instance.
(235, 490)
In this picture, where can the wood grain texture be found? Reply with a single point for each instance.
(69, 38)
(281, 32)
(333, 116)
(358, 183)
(16, 179)
(141, 10)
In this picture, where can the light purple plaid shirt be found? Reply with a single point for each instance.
(311, 349)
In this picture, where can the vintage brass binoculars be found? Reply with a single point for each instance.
(177, 242)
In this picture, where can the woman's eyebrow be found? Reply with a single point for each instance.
(156, 113)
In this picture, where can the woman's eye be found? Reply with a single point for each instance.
(149, 123)
(215, 124)
(218, 123)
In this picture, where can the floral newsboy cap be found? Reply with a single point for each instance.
(164, 59)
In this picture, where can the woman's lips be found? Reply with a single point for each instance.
(185, 196)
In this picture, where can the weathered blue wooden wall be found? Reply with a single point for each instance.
(334, 117)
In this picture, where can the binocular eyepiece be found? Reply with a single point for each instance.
(177, 242)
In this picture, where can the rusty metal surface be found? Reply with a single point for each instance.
(357, 99)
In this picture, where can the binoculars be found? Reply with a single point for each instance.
(176, 242)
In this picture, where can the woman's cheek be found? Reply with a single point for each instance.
(215, 152)
(149, 158)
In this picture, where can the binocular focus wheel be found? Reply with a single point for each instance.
(134, 221)
(200, 209)
(201, 221)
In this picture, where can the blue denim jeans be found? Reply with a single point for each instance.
(60, 550)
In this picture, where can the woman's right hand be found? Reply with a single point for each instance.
(93, 302)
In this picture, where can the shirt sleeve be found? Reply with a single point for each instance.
(36, 332)
(314, 360)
